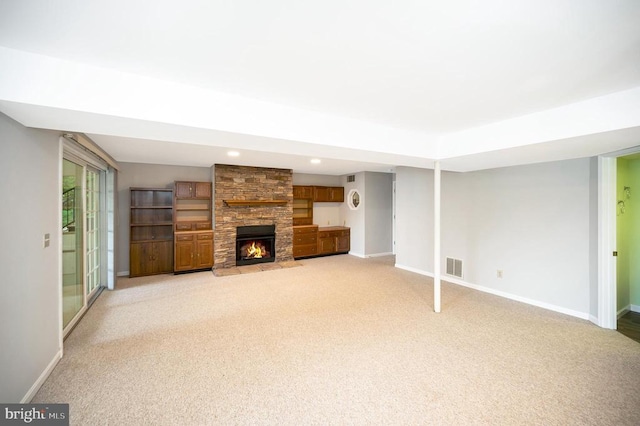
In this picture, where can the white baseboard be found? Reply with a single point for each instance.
(45, 374)
(123, 274)
(544, 305)
(379, 254)
(360, 255)
(594, 320)
(634, 308)
(623, 311)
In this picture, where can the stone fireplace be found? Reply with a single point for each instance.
(252, 196)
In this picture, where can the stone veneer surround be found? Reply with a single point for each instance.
(251, 183)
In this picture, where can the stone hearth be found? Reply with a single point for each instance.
(247, 184)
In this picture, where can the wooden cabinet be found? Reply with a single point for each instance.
(186, 190)
(334, 240)
(305, 241)
(328, 194)
(320, 194)
(193, 226)
(193, 251)
(150, 258)
(314, 241)
(192, 206)
(300, 191)
(150, 231)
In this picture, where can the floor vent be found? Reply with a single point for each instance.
(454, 267)
(351, 178)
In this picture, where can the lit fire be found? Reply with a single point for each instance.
(254, 251)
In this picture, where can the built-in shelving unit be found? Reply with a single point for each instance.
(192, 221)
(151, 231)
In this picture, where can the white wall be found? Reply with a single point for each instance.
(30, 321)
(532, 222)
(378, 213)
(414, 218)
(146, 176)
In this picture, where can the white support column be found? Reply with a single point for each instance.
(436, 237)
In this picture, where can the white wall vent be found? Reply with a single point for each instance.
(351, 178)
(454, 267)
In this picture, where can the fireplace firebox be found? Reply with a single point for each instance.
(255, 244)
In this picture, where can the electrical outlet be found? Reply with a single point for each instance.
(499, 274)
(46, 240)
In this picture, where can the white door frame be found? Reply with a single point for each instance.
(607, 274)
(607, 173)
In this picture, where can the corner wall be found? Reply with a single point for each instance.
(30, 294)
(532, 222)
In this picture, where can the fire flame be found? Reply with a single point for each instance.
(254, 251)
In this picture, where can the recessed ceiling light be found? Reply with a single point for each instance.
(315, 161)
(233, 153)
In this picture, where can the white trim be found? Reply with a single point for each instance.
(122, 274)
(634, 308)
(380, 254)
(436, 237)
(593, 319)
(607, 242)
(61, 144)
(43, 377)
(537, 303)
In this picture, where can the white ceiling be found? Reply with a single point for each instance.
(364, 85)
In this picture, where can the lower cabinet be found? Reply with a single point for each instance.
(313, 241)
(334, 241)
(193, 251)
(150, 257)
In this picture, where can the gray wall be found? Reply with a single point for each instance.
(532, 222)
(30, 304)
(378, 213)
(354, 219)
(146, 176)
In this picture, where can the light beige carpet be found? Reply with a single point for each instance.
(338, 341)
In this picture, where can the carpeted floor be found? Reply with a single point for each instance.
(338, 341)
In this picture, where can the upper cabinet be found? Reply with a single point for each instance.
(328, 194)
(186, 190)
(319, 193)
(300, 192)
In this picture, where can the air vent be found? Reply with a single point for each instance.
(351, 178)
(454, 267)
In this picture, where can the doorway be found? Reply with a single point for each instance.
(610, 193)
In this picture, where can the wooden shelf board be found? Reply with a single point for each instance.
(151, 207)
(232, 203)
(153, 224)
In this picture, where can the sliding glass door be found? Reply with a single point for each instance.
(84, 237)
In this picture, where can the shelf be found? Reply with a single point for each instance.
(186, 209)
(151, 207)
(234, 203)
(153, 224)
